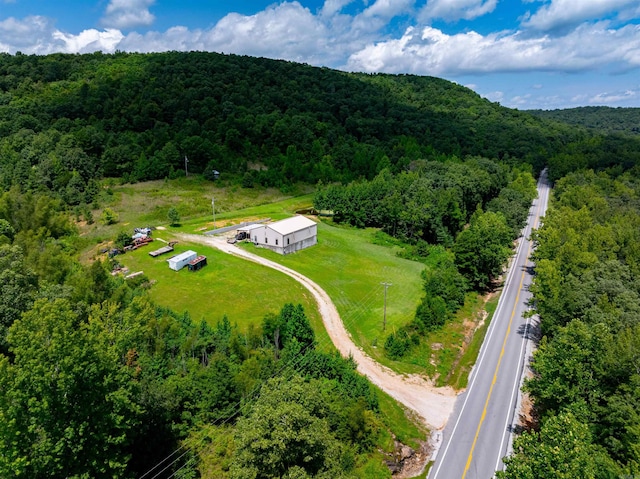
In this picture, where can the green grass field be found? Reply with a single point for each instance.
(242, 290)
(350, 268)
(350, 264)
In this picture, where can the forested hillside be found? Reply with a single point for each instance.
(65, 119)
(600, 118)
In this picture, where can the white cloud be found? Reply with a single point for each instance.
(376, 17)
(90, 40)
(32, 34)
(125, 14)
(495, 96)
(286, 31)
(432, 52)
(332, 7)
(565, 13)
(388, 9)
(452, 10)
(37, 34)
(520, 101)
(607, 98)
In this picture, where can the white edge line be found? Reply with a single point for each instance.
(484, 349)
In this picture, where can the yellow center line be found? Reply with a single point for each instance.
(495, 373)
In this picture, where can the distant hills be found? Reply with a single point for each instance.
(600, 118)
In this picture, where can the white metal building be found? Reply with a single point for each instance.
(179, 261)
(286, 236)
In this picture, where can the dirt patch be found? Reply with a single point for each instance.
(528, 419)
(406, 462)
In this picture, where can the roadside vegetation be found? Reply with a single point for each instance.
(428, 184)
(585, 387)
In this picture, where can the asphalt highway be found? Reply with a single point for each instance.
(479, 433)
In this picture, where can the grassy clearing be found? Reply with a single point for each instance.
(447, 355)
(147, 204)
(242, 290)
(350, 268)
(350, 264)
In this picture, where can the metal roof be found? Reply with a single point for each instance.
(291, 225)
(183, 256)
(250, 227)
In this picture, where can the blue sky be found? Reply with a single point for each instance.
(521, 53)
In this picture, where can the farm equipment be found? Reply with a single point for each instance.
(138, 242)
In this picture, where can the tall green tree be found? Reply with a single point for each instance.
(287, 434)
(18, 285)
(66, 403)
(563, 449)
(482, 249)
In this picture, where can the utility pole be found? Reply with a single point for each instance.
(186, 171)
(213, 207)
(384, 321)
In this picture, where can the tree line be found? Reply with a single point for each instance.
(599, 118)
(66, 120)
(586, 379)
(474, 208)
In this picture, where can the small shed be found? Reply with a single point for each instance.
(198, 263)
(179, 261)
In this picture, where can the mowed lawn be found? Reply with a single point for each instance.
(240, 289)
(351, 269)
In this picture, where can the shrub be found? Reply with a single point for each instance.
(109, 217)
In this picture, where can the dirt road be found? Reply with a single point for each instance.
(434, 405)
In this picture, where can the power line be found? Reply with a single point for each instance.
(287, 370)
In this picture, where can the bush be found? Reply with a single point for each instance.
(400, 343)
(109, 217)
(123, 239)
(431, 313)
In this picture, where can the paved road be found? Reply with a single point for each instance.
(479, 433)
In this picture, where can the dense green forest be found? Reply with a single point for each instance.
(97, 381)
(586, 387)
(67, 119)
(599, 118)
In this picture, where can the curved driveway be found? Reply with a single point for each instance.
(433, 405)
